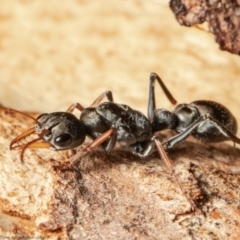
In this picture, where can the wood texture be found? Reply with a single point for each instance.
(118, 195)
(53, 55)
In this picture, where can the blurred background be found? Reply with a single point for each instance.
(55, 53)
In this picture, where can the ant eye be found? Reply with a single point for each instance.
(63, 140)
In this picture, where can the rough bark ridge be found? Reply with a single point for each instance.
(222, 17)
(118, 196)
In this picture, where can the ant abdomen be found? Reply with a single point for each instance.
(218, 112)
(209, 130)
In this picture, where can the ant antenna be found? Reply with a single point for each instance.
(9, 110)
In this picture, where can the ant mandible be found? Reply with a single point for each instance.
(207, 121)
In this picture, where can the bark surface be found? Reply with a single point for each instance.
(118, 196)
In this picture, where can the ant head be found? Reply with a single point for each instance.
(61, 129)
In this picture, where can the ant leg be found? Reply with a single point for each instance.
(97, 142)
(169, 165)
(111, 142)
(78, 106)
(107, 94)
(182, 136)
(75, 105)
(163, 154)
(151, 97)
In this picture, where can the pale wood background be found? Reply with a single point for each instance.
(53, 54)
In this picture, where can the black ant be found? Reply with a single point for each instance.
(106, 123)
(207, 121)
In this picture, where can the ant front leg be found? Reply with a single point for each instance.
(107, 94)
(110, 135)
(206, 135)
(75, 106)
(151, 97)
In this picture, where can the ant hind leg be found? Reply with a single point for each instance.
(193, 128)
(151, 96)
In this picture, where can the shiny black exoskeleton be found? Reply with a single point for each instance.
(207, 121)
(106, 123)
(65, 131)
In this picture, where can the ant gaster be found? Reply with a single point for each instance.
(207, 121)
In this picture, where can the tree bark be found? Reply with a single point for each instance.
(118, 195)
(222, 17)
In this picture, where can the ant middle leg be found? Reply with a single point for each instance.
(151, 96)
